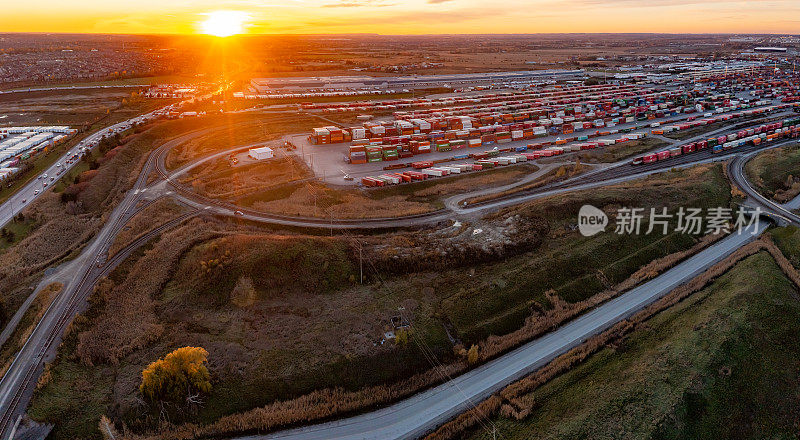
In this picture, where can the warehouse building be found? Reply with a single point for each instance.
(771, 49)
(266, 85)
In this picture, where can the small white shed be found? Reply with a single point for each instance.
(261, 153)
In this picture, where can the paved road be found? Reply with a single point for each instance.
(615, 173)
(415, 416)
(411, 417)
(33, 189)
(737, 174)
(78, 278)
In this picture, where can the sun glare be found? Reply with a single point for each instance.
(224, 23)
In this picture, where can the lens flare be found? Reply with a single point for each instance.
(224, 23)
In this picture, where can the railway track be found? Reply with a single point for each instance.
(19, 379)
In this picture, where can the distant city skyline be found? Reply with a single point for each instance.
(406, 17)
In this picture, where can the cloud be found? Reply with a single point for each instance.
(407, 18)
(357, 4)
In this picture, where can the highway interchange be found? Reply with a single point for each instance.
(411, 417)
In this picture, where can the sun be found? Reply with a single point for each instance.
(224, 23)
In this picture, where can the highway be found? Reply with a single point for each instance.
(411, 417)
(422, 413)
(78, 277)
(737, 175)
(33, 189)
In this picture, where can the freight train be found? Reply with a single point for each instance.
(788, 128)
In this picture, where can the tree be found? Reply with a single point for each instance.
(178, 377)
(401, 336)
(472, 354)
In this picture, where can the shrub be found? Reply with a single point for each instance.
(472, 354)
(178, 376)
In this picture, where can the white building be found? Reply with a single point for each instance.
(261, 153)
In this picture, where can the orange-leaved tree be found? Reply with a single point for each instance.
(178, 376)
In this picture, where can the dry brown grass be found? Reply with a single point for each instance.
(25, 327)
(56, 234)
(517, 400)
(128, 321)
(221, 181)
(466, 420)
(327, 403)
(232, 130)
(316, 406)
(316, 200)
(480, 180)
(563, 172)
(538, 324)
(157, 213)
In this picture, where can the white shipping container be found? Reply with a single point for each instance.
(358, 133)
(394, 180)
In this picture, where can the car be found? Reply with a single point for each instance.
(44, 185)
(238, 213)
(44, 176)
(24, 200)
(36, 191)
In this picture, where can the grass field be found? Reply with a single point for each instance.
(282, 316)
(135, 81)
(237, 130)
(577, 267)
(26, 325)
(721, 364)
(775, 173)
(220, 180)
(622, 151)
(16, 231)
(788, 241)
(317, 200)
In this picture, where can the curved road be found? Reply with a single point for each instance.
(408, 418)
(415, 416)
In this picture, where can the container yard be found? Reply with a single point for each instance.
(541, 121)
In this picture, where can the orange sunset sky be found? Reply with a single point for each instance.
(406, 16)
